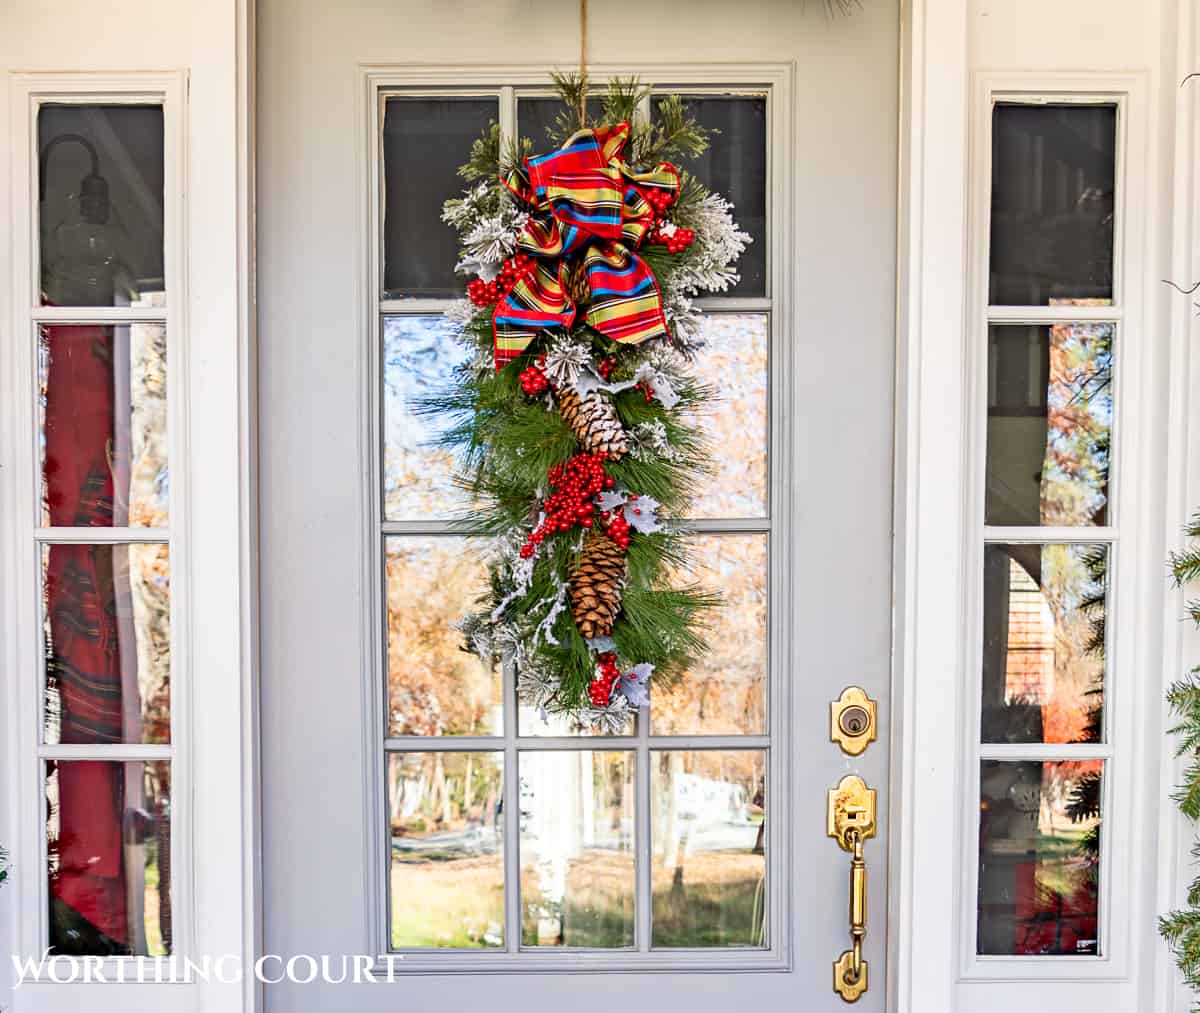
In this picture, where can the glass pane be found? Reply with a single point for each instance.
(577, 818)
(708, 815)
(1049, 429)
(735, 166)
(536, 117)
(1039, 857)
(103, 412)
(108, 643)
(420, 355)
(425, 140)
(447, 849)
(725, 693)
(100, 207)
(1043, 643)
(108, 827)
(434, 686)
(1053, 182)
(734, 360)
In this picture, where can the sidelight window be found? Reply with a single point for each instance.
(1052, 339)
(101, 518)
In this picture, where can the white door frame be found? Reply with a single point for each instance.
(923, 903)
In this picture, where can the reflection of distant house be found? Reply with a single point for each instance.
(1029, 659)
(702, 798)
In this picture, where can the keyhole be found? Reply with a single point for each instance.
(853, 720)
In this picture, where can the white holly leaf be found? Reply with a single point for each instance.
(642, 515)
(610, 499)
(634, 683)
(660, 386)
(589, 380)
(602, 645)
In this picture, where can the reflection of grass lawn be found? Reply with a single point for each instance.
(448, 903)
(716, 900)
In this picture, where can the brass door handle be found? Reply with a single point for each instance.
(850, 820)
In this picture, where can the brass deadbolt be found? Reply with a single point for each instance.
(852, 720)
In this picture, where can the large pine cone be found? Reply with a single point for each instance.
(596, 585)
(593, 420)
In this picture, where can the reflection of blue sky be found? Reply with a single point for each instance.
(420, 355)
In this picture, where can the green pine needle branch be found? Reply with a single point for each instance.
(1181, 928)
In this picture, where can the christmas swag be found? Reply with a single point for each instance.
(575, 418)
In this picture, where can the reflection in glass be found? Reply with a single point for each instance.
(735, 362)
(1039, 857)
(447, 854)
(1049, 431)
(1053, 182)
(425, 140)
(420, 355)
(434, 686)
(108, 830)
(537, 119)
(107, 629)
(534, 723)
(577, 819)
(725, 692)
(1043, 643)
(735, 166)
(708, 834)
(100, 207)
(103, 413)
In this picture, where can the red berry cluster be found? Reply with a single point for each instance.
(605, 367)
(658, 199)
(600, 690)
(533, 381)
(616, 526)
(488, 293)
(645, 388)
(676, 242)
(570, 503)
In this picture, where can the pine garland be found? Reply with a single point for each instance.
(514, 444)
(1181, 928)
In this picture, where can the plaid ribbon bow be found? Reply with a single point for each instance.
(585, 203)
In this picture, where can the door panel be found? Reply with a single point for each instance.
(829, 328)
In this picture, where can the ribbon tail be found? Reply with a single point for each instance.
(536, 302)
(626, 302)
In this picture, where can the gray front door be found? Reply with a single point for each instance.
(410, 806)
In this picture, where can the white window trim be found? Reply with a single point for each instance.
(507, 81)
(209, 225)
(932, 676)
(29, 94)
(1126, 650)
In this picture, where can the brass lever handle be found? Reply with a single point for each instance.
(850, 821)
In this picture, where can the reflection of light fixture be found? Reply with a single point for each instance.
(84, 249)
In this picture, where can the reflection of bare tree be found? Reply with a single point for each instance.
(435, 687)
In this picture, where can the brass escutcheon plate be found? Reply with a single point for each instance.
(844, 982)
(850, 806)
(852, 720)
